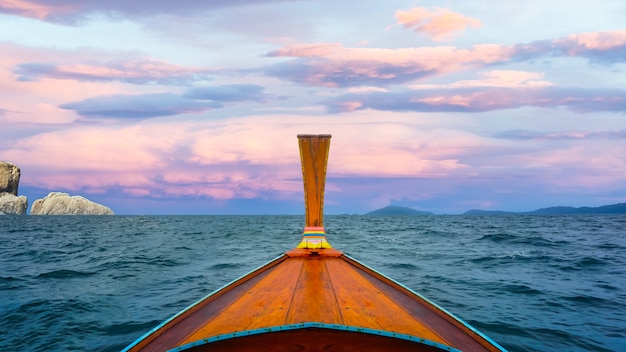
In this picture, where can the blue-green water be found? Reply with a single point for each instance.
(531, 283)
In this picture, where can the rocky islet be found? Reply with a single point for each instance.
(55, 203)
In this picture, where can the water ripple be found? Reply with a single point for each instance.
(532, 283)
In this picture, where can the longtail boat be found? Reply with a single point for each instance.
(314, 298)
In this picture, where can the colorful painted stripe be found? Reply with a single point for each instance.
(314, 237)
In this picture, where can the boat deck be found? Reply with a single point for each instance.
(324, 287)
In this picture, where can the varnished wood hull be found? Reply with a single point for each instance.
(331, 296)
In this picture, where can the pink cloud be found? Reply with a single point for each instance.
(480, 99)
(249, 157)
(306, 50)
(36, 102)
(494, 78)
(35, 9)
(216, 159)
(335, 66)
(131, 70)
(561, 135)
(438, 23)
(391, 155)
(332, 65)
(72, 11)
(99, 84)
(601, 41)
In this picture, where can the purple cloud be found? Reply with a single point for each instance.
(320, 72)
(75, 11)
(138, 106)
(228, 93)
(332, 65)
(564, 135)
(483, 99)
(134, 72)
(597, 47)
(142, 106)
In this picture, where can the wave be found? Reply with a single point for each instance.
(589, 300)
(520, 289)
(584, 264)
(532, 240)
(64, 274)
(514, 256)
(402, 266)
(223, 266)
(136, 262)
(10, 279)
(498, 237)
(97, 284)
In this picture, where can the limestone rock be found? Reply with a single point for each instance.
(9, 178)
(57, 203)
(12, 205)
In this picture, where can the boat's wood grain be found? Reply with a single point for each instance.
(314, 157)
(314, 299)
(173, 333)
(362, 304)
(455, 333)
(264, 304)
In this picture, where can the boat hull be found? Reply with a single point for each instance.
(313, 337)
(326, 288)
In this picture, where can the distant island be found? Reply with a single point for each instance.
(397, 210)
(619, 208)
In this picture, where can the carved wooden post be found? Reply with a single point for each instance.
(314, 158)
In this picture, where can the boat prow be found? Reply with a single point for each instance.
(314, 298)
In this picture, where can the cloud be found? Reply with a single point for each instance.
(306, 50)
(437, 23)
(332, 65)
(335, 66)
(160, 159)
(494, 78)
(560, 135)
(483, 99)
(74, 11)
(34, 9)
(374, 156)
(245, 158)
(139, 106)
(134, 71)
(149, 105)
(228, 93)
(598, 47)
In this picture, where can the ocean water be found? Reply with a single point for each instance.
(531, 283)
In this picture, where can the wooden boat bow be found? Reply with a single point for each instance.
(314, 298)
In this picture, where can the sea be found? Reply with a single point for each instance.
(97, 283)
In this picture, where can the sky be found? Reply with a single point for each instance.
(193, 107)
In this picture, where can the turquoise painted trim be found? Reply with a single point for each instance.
(316, 325)
(280, 257)
(473, 329)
